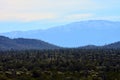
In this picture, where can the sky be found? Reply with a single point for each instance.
(23, 15)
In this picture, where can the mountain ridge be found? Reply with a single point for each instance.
(24, 44)
(98, 32)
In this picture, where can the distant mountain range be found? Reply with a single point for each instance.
(24, 44)
(115, 45)
(98, 32)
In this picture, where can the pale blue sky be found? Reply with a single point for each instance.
(19, 15)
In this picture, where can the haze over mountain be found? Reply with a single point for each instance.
(24, 44)
(115, 45)
(97, 32)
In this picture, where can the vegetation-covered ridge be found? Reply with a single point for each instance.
(62, 64)
(78, 33)
(28, 44)
(24, 44)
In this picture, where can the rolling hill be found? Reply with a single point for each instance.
(97, 32)
(115, 45)
(24, 44)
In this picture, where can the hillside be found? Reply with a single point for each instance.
(21, 43)
(97, 32)
(115, 45)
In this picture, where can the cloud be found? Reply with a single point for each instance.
(79, 16)
(46, 4)
(112, 18)
(26, 17)
(30, 10)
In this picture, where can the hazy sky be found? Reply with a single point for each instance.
(42, 14)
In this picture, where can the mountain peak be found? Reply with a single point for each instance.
(98, 32)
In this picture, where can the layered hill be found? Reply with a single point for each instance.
(24, 44)
(97, 32)
(115, 45)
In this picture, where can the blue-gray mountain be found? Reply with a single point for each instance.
(98, 32)
(115, 45)
(24, 44)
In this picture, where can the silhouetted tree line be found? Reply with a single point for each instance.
(60, 64)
